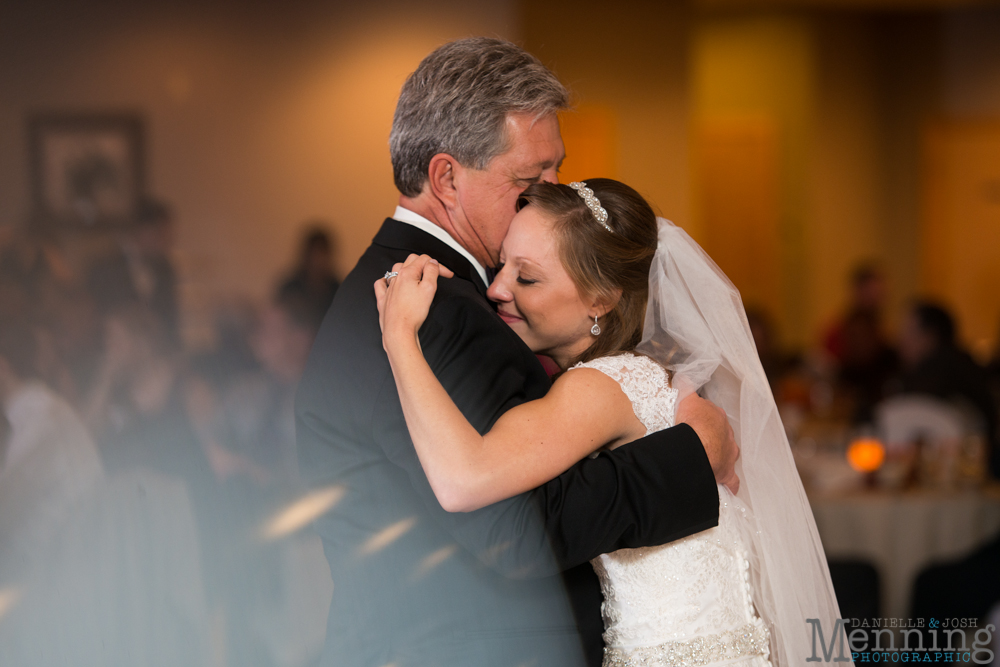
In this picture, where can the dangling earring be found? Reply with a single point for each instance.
(596, 329)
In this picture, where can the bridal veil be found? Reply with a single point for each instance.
(696, 325)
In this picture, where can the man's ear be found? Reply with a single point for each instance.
(441, 179)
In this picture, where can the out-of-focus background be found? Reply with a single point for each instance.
(183, 185)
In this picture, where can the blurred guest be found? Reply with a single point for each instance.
(281, 345)
(765, 339)
(97, 571)
(140, 270)
(284, 337)
(30, 261)
(31, 269)
(5, 433)
(250, 428)
(70, 339)
(993, 368)
(245, 421)
(136, 409)
(233, 321)
(864, 360)
(934, 364)
(868, 294)
(867, 363)
(314, 278)
(50, 462)
(38, 285)
(139, 410)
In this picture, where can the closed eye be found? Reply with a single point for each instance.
(526, 281)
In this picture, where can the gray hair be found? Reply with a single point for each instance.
(457, 102)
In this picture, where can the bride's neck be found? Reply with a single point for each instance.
(566, 357)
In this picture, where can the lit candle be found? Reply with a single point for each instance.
(865, 454)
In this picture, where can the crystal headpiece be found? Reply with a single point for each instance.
(593, 203)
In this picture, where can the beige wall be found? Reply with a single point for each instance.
(631, 62)
(259, 115)
(847, 93)
(961, 245)
(753, 69)
(846, 179)
(820, 81)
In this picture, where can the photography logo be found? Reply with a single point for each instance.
(901, 640)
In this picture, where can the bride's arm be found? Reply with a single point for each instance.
(529, 445)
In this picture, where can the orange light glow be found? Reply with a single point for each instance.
(865, 454)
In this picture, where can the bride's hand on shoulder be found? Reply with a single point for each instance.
(405, 299)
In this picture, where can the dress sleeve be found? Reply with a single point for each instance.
(653, 491)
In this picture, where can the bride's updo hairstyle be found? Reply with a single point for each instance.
(604, 263)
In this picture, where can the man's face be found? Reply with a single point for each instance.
(487, 198)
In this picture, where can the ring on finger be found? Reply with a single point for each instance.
(388, 275)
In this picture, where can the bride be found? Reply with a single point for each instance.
(636, 316)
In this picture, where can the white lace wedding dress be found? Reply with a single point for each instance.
(686, 603)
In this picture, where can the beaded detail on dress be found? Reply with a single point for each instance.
(749, 640)
(686, 603)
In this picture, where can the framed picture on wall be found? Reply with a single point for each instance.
(87, 169)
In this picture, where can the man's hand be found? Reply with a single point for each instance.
(711, 425)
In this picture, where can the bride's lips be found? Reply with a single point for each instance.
(508, 318)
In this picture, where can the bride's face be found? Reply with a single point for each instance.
(535, 295)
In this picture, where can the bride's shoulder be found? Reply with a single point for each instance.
(589, 387)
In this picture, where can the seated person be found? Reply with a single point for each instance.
(934, 364)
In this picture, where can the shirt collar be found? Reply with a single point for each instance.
(422, 223)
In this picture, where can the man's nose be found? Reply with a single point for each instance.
(551, 175)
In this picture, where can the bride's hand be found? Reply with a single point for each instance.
(404, 300)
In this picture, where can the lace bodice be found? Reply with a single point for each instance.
(645, 383)
(687, 602)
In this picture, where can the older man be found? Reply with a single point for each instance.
(414, 585)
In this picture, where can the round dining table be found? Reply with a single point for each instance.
(902, 532)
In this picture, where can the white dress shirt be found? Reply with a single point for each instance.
(420, 222)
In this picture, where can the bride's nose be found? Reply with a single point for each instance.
(498, 290)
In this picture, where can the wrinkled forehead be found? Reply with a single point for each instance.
(532, 141)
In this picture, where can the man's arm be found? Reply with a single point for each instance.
(715, 433)
(650, 492)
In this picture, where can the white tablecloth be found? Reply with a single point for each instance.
(901, 533)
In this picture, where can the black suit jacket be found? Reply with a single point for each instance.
(415, 585)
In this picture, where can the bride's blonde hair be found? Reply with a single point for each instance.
(610, 265)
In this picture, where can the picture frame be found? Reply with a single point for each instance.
(87, 168)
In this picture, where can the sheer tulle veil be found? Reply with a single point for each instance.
(696, 325)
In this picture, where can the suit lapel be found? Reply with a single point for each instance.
(401, 236)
